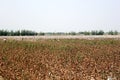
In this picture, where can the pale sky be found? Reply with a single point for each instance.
(60, 15)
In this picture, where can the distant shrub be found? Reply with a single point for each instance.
(112, 33)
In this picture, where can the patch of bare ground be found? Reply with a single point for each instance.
(34, 38)
(1, 78)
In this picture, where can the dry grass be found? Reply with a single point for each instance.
(66, 59)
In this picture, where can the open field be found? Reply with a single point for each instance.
(61, 37)
(63, 59)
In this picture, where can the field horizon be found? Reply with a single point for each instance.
(61, 37)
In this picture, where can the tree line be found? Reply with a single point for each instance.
(17, 33)
(33, 33)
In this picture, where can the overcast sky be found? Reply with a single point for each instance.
(60, 15)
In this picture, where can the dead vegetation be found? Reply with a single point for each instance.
(66, 59)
